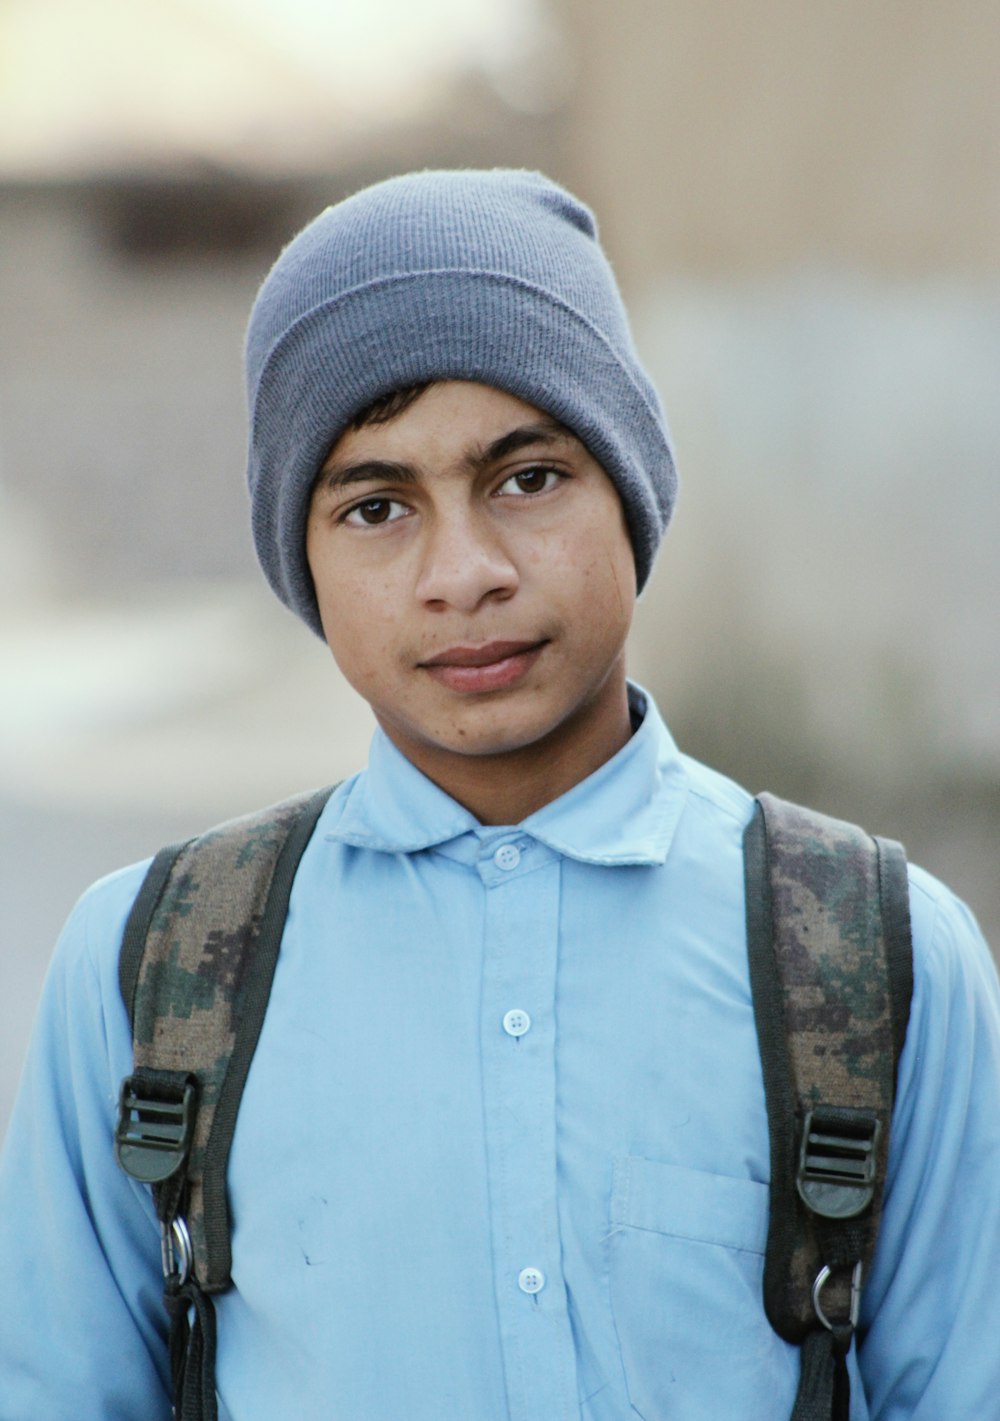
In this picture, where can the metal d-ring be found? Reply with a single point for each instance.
(822, 1278)
(176, 1252)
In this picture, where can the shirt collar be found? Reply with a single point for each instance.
(624, 813)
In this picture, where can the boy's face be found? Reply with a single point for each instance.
(475, 579)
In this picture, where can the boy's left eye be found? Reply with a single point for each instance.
(527, 481)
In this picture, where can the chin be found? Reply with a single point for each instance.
(483, 745)
(495, 734)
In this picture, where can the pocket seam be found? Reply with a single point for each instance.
(625, 1213)
(693, 1238)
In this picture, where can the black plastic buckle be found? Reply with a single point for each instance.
(153, 1136)
(836, 1175)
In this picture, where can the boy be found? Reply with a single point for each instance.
(502, 1154)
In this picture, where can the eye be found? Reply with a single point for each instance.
(374, 511)
(529, 481)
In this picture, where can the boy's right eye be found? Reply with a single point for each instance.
(374, 511)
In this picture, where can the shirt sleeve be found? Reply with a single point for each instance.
(84, 1330)
(933, 1302)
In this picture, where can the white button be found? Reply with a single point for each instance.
(507, 856)
(531, 1280)
(516, 1022)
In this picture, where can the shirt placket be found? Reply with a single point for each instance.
(520, 961)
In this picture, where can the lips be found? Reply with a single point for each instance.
(492, 666)
(486, 655)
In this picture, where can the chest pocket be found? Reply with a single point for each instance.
(686, 1262)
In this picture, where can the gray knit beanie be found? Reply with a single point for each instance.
(489, 276)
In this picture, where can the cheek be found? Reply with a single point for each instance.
(601, 558)
(608, 585)
(621, 572)
(359, 628)
(361, 645)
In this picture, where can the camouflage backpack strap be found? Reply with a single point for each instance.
(196, 965)
(828, 931)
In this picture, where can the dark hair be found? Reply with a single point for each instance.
(387, 407)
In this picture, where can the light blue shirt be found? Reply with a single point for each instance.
(503, 1151)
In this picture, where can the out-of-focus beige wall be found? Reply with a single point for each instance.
(803, 205)
(735, 137)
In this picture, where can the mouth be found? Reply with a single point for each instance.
(492, 666)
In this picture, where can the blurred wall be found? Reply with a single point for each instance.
(803, 203)
(739, 138)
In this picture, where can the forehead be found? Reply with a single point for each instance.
(449, 419)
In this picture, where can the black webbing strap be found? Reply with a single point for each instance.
(192, 1350)
(152, 1143)
(824, 1387)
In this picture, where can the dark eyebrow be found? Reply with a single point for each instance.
(369, 471)
(546, 431)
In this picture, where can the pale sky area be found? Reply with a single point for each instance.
(252, 82)
(386, 43)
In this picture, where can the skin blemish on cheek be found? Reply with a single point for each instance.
(613, 568)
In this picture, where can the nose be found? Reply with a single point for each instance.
(464, 562)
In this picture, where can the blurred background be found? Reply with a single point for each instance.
(803, 206)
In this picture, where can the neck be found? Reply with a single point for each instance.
(505, 788)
